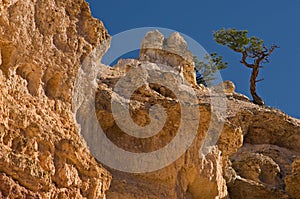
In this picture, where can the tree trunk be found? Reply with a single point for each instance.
(256, 99)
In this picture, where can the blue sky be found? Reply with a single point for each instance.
(276, 22)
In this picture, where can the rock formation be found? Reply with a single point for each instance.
(42, 155)
(172, 51)
(43, 47)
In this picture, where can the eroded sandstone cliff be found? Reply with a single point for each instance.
(256, 155)
(42, 155)
(43, 44)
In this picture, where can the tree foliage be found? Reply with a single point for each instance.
(208, 66)
(253, 50)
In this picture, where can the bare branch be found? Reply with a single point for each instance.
(265, 49)
(259, 80)
(266, 61)
(244, 60)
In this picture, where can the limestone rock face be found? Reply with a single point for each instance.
(227, 87)
(292, 180)
(266, 164)
(172, 51)
(192, 175)
(252, 158)
(42, 155)
(153, 40)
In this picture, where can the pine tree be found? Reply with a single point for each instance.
(253, 51)
(206, 68)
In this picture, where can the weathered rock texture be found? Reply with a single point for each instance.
(191, 176)
(42, 155)
(267, 162)
(255, 156)
(172, 51)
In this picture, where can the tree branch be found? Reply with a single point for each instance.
(244, 60)
(259, 80)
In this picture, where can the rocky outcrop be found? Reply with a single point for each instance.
(237, 149)
(172, 51)
(193, 175)
(42, 155)
(264, 162)
(292, 180)
(252, 157)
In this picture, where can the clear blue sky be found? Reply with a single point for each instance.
(273, 21)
